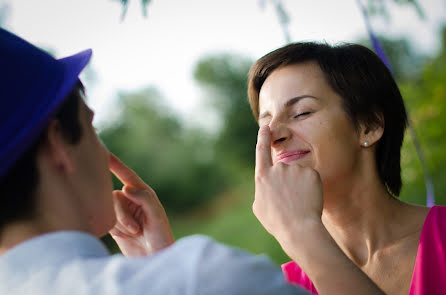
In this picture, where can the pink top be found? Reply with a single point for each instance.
(429, 276)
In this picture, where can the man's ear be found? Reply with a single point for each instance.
(57, 150)
(370, 134)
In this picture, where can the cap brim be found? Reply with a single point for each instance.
(73, 66)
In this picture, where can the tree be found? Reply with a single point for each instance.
(405, 61)
(225, 78)
(426, 100)
(177, 162)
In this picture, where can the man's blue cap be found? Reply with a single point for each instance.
(33, 85)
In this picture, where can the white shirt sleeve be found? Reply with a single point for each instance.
(75, 263)
(224, 270)
(197, 265)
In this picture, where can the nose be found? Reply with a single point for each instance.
(279, 133)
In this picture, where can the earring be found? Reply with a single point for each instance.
(365, 144)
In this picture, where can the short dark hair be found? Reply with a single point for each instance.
(368, 91)
(19, 184)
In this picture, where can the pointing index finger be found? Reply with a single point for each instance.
(126, 175)
(263, 149)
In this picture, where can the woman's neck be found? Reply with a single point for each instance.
(361, 216)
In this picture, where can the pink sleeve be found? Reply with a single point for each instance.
(429, 275)
(295, 275)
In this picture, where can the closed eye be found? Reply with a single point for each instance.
(302, 114)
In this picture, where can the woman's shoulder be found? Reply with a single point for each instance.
(430, 222)
(413, 217)
(427, 215)
(436, 220)
(430, 269)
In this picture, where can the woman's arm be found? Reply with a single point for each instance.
(288, 202)
(324, 262)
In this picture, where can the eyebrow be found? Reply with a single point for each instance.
(289, 103)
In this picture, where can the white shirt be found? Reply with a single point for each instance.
(71, 262)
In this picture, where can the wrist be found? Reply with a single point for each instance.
(301, 236)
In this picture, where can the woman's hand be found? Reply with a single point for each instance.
(288, 202)
(142, 226)
(287, 197)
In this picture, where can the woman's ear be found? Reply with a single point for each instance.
(56, 149)
(370, 134)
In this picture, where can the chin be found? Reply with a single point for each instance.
(104, 225)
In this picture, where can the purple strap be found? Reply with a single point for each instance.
(375, 42)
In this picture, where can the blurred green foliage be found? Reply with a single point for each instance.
(425, 97)
(224, 77)
(405, 61)
(177, 162)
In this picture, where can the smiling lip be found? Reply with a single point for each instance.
(287, 157)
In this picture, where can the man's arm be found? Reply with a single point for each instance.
(203, 266)
(226, 270)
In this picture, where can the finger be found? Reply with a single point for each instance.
(263, 149)
(116, 233)
(123, 215)
(126, 175)
(146, 199)
(120, 231)
(150, 205)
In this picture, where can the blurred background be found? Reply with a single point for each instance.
(168, 84)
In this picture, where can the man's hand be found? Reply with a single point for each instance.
(142, 226)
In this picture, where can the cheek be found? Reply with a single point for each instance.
(333, 144)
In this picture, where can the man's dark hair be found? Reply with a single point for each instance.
(19, 184)
(369, 94)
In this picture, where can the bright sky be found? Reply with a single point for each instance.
(161, 50)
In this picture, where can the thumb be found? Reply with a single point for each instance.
(123, 207)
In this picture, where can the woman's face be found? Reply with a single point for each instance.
(308, 123)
